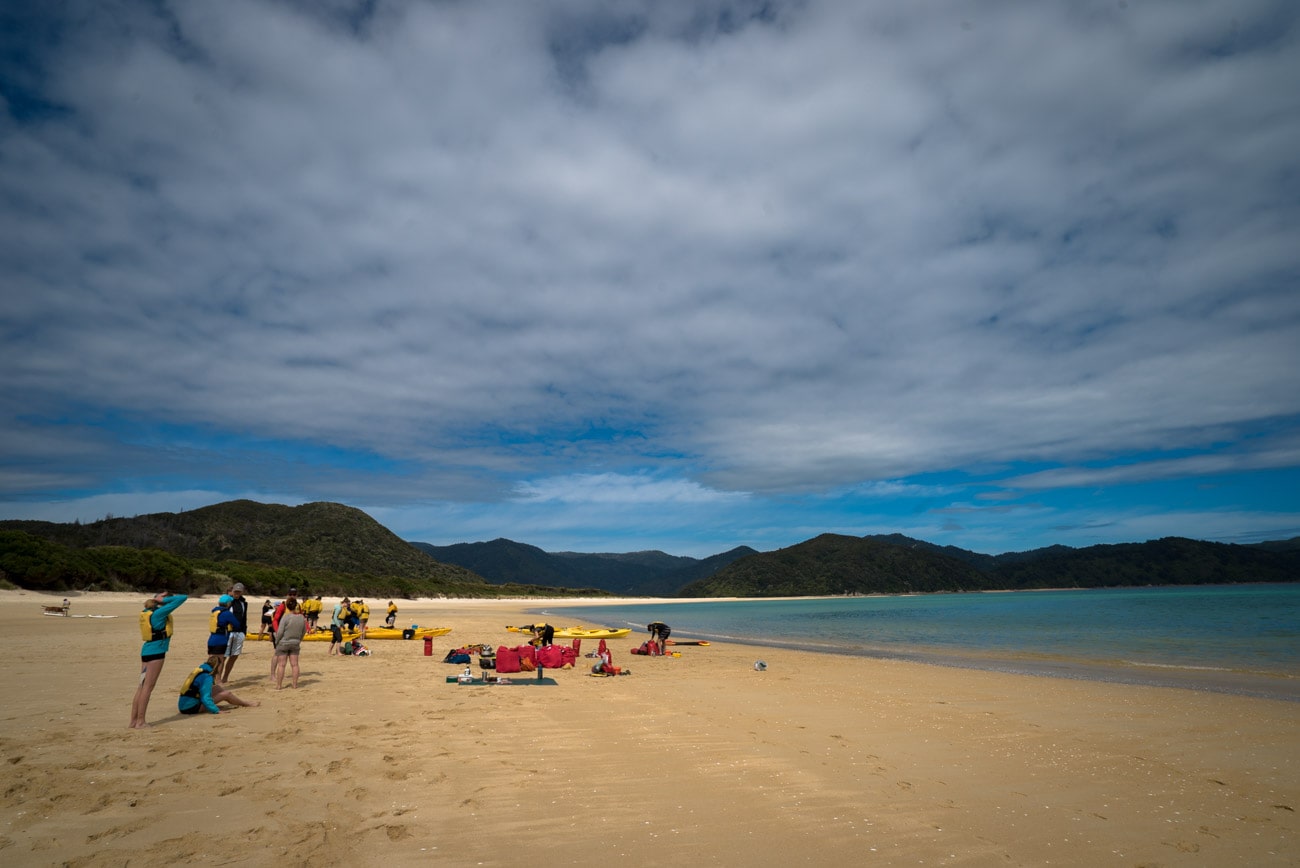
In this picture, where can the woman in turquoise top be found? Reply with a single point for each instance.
(156, 633)
(200, 693)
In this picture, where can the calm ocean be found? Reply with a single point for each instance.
(1242, 639)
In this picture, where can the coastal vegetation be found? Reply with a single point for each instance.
(333, 549)
(318, 548)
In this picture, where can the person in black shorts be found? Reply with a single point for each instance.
(659, 631)
(267, 608)
(543, 634)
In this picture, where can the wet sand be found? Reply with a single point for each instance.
(697, 759)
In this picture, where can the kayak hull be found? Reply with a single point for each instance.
(582, 632)
(371, 633)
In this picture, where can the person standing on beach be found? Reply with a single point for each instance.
(221, 622)
(198, 693)
(267, 609)
(336, 628)
(313, 615)
(391, 620)
(363, 615)
(156, 633)
(288, 642)
(276, 616)
(238, 608)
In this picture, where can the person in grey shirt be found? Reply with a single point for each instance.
(288, 641)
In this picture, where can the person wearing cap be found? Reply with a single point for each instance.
(238, 608)
(220, 622)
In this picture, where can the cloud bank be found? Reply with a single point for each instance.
(739, 259)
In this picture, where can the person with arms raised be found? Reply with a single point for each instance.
(156, 632)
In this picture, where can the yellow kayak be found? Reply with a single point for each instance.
(581, 632)
(371, 633)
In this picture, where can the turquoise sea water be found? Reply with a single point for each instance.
(1233, 638)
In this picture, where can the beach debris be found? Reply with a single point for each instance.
(760, 666)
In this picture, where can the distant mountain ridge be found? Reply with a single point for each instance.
(630, 574)
(832, 564)
(332, 546)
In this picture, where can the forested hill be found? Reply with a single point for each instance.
(317, 547)
(633, 574)
(832, 564)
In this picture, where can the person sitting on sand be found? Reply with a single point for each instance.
(200, 692)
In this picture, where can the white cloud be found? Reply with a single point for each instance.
(794, 248)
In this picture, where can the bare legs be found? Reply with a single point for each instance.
(281, 660)
(230, 664)
(227, 696)
(149, 673)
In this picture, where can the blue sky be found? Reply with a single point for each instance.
(617, 276)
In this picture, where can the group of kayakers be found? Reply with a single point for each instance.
(288, 623)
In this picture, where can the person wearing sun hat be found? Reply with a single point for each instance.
(220, 622)
(238, 608)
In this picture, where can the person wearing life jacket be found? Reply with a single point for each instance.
(391, 620)
(314, 607)
(222, 621)
(363, 616)
(156, 635)
(238, 608)
(201, 692)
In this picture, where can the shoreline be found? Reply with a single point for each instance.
(1282, 687)
(1261, 683)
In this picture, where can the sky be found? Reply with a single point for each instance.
(619, 275)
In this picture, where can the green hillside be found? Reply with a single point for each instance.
(325, 548)
(831, 564)
(637, 574)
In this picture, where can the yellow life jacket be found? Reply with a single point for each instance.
(148, 633)
(188, 688)
(212, 621)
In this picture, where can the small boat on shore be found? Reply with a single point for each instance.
(581, 632)
(371, 633)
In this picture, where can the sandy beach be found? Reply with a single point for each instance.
(697, 759)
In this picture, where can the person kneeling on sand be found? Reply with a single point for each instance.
(200, 692)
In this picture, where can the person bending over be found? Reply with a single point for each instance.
(659, 632)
